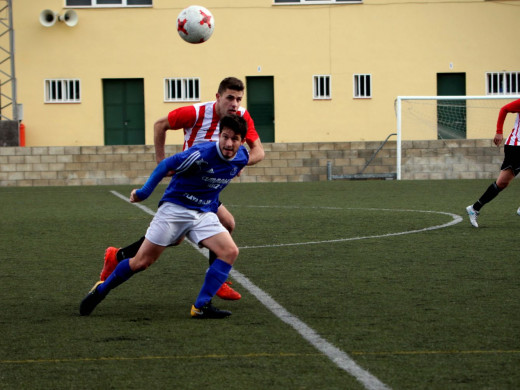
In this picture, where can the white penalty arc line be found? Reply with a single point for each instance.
(455, 220)
(337, 356)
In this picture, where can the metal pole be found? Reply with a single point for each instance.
(398, 109)
(13, 70)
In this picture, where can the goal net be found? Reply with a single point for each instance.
(448, 117)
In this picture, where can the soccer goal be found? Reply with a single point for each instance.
(447, 117)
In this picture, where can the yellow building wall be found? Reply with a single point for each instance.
(402, 44)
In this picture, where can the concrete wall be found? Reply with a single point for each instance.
(288, 162)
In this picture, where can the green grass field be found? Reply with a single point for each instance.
(434, 309)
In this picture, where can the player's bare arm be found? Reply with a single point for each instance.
(256, 152)
(160, 128)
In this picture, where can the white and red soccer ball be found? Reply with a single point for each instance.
(195, 24)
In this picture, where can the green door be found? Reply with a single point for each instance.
(451, 114)
(123, 103)
(260, 104)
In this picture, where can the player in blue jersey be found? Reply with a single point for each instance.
(188, 208)
(200, 123)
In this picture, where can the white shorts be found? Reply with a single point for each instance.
(172, 222)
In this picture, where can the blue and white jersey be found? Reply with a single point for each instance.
(201, 173)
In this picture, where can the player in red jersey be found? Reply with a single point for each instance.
(511, 165)
(201, 124)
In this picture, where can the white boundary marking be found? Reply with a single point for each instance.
(336, 355)
(455, 220)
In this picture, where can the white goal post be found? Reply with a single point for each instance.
(446, 117)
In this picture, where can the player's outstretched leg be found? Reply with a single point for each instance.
(121, 274)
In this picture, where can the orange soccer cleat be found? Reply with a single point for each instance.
(110, 263)
(226, 292)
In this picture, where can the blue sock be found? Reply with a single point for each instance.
(120, 275)
(216, 275)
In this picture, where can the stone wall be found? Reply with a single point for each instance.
(284, 162)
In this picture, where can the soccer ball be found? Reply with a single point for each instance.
(195, 24)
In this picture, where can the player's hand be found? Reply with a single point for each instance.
(498, 139)
(133, 196)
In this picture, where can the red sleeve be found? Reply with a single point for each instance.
(511, 107)
(182, 118)
(251, 135)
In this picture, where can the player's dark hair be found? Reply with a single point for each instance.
(230, 83)
(235, 123)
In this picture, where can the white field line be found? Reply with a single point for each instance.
(455, 220)
(340, 358)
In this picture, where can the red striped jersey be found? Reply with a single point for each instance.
(201, 123)
(514, 137)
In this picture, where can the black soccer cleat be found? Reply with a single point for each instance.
(89, 303)
(208, 311)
